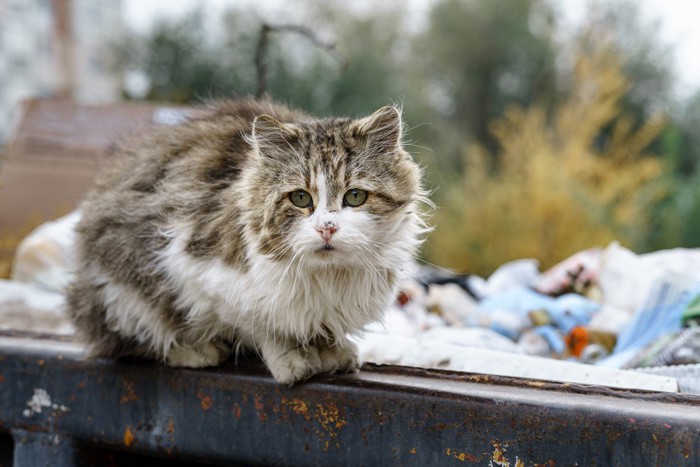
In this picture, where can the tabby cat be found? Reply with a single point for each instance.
(254, 227)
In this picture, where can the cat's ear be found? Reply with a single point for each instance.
(384, 127)
(270, 132)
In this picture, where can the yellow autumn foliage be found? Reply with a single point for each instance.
(557, 188)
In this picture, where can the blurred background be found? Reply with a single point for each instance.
(545, 127)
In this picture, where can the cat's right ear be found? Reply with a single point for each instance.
(268, 132)
(383, 128)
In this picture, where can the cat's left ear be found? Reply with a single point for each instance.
(270, 132)
(384, 127)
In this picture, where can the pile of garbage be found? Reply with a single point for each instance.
(609, 308)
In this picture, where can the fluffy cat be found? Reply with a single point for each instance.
(251, 227)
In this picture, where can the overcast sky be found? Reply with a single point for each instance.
(680, 24)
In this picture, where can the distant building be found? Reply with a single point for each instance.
(56, 48)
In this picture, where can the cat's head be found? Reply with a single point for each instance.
(333, 191)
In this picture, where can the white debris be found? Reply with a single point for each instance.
(625, 278)
(452, 303)
(26, 307)
(399, 350)
(46, 257)
(518, 273)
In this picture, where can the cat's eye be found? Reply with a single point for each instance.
(355, 198)
(301, 199)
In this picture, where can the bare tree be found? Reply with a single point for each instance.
(263, 41)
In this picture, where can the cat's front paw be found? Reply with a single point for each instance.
(295, 365)
(339, 358)
(199, 356)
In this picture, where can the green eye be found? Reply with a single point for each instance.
(355, 198)
(301, 199)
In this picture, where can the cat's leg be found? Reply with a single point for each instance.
(340, 355)
(290, 363)
(198, 356)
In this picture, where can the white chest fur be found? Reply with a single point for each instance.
(284, 299)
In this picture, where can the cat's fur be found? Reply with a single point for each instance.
(191, 247)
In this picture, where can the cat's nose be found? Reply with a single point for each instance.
(327, 231)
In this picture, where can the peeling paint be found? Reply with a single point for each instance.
(461, 456)
(40, 400)
(498, 456)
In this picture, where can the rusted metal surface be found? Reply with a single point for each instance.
(383, 416)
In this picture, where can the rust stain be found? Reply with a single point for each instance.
(2, 379)
(329, 418)
(479, 379)
(299, 407)
(659, 444)
(41, 362)
(498, 456)
(128, 437)
(171, 426)
(259, 407)
(130, 393)
(460, 456)
(237, 411)
(206, 401)
(258, 403)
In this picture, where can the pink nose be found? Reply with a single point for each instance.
(327, 232)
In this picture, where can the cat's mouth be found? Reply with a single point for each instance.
(326, 248)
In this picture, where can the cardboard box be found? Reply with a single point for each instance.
(54, 154)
